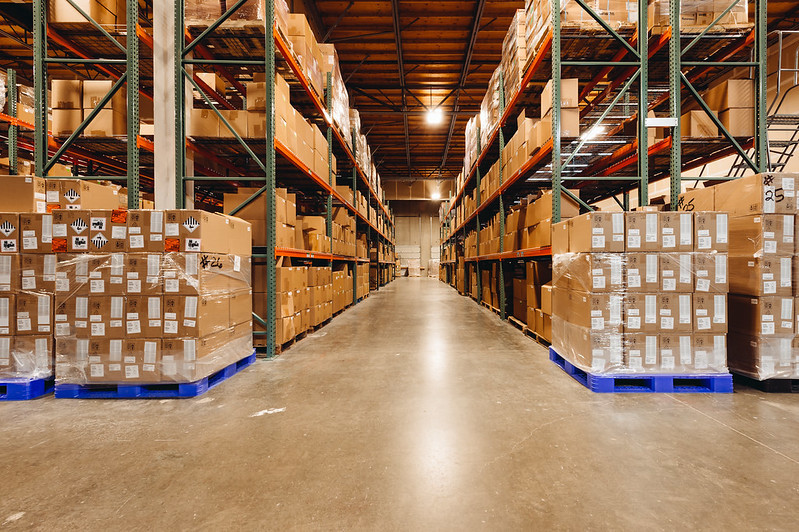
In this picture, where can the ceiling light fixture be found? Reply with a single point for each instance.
(434, 116)
(436, 195)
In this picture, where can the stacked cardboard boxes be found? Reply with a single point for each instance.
(514, 54)
(569, 111)
(286, 219)
(148, 296)
(538, 298)
(762, 265)
(641, 292)
(72, 100)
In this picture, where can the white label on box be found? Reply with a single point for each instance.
(29, 283)
(651, 350)
(701, 312)
(615, 270)
(170, 316)
(82, 307)
(51, 196)
(190, 307)
(668, 231)
(149, 352)
(134, 230)
(97, 370)
(785, 351)
(170, 327)
(666, 360)
(721, 228)
(615, 310)
(154, 308)
(154, 324)
(786, 312)
(719, 309)
(703, 285)
(98, 329)
(59, 230)
(23, 324)
(189, 350)
(153, 265)
(157, 221)
(115, 324)
(156, 238)
(134, 327)
(651, 269)
(685, 350)
(97, 223)
(669, 241)
(8, 246)
(685, 268)
(767, 328)
(669, 285)
(767, 365)
(685, 308)
(785, 272)
(598, 242)
(193, 244)
(703, 242)
(189, 323)
(770, 246)
(650, 312)
(769, 201)
(598, 282)
(97, 286)
(703, 323)
(597, 324)
(95, 359)
(80, 243)
(43, 309)
(634, 242)
(721, 268)
(768, 235)
(136, 241)
(633, 280)
(236, 263)
(701, 360)
(769, 287)
(651, 227)
(596, 312)
(597, 231)
(635, 360)
(171, 285)
(62, 329)
(666, 323)
(30, 242)
(118, 232)
(686, 229)
(633, 322)
(134, 286)
(131, 372)
(192, 265)
(171, 229)
(617, 222)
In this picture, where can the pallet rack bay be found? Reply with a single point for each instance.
(614, 68)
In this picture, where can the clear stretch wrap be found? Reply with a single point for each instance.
(646, 311)
(514, 54)
(489, 109)
(204, 12)
(696, 15)
(472, 137)
(26, 315)
(150, 317)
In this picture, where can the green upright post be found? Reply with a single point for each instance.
(556, 162)
(501, 91)
(271, 219)
(11, 82)
(675, 101)
(40, 86)
(133, 104)
(180, 109)
(761, 51)
(643, 105)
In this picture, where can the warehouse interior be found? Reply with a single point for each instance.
(399, 264)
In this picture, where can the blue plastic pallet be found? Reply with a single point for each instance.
(701, 383)
(151, 391)
(25, 389)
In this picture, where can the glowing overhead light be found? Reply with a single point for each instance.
(435, 116)
(436, 195)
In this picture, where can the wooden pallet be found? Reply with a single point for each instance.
(537, 337)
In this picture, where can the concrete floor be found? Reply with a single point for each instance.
(416, 410)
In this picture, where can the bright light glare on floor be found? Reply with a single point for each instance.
(434, 116)
(593, 132)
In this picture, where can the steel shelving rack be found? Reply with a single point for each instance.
(685, 57)
(265, 49)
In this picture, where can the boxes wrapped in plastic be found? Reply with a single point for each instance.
(489, 108)
(26, 357)
(204, 12)
(764, 357)
(150, 317)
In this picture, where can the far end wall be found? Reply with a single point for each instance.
(417, 225)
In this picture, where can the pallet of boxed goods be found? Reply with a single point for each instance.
(640, 295)
(148, 303)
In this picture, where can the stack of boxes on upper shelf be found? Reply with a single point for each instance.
(762, 270)
(118, 296)
(641, 292)
(732, 101)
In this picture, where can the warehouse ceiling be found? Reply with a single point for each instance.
(402, 57)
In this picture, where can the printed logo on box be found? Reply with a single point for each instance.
(193, 244)
(98, 224)
(7, 228)
(191, 224)
(78, 225)
(9, 246)
(71, 196)
(80, 243)
(99, 240)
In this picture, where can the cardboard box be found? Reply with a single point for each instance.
(761, 357)
(104, 12)
(766, 316)
(738, 122)
(594, 351)
(598, 312)
(71, 231)
(66, 93)
(34, 314)
(256, 93)
(731, 93)
(215, 82)
(590, 272)
(762, 235)
(641, 313)
(642, 272)
(712, 231)
(561, 237)
(36, 232)
(203, 123)
(697, 200)
(9, 232)
(194, 316)
(642, 351)
(710, 352)
(643, 231)
(145, 231)
(674, 313)
(141, 360)
(23, 194)
(761, 276)
(256, 125)
(196, 231)
(677, 231)
(546, 299)
(66, 121)
(75, 194)
(697, 125)
(37, 273)
(710, 313)
(143, 274)
(711, 273)
(597, 231)
(107, 123)
(569, 126)
(236, 119)
(143, 317)
(240, 304)
(541, 209)
(676, 353)
(108, 230)
(676, 272)
(569, 95)
(771, 193)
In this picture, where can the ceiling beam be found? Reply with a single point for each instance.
(478, 14)
(338, 21)
(400, 65)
